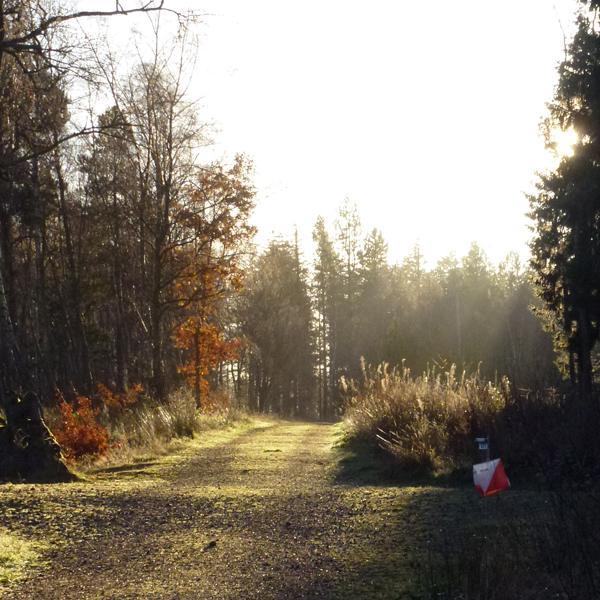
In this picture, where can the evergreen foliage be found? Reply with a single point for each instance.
(462, 311)
(566, 210)
(276, 321)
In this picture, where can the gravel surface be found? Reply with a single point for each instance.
(253, 513)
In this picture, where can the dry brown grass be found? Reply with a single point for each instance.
(149, 428)
(426, 422)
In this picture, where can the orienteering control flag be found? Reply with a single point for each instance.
(490, 478)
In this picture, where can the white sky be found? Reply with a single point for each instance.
(425, 114)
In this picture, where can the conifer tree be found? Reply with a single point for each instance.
(277, 323)
(373, 299)
(327, 289)
(566, 208)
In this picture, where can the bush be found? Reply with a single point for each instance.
(79, 433)
(114, 400)
(429, 423)
(119, 426)
(426, 422)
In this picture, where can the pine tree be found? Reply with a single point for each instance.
(349, 239)
(277, 323)
(566, 208)
(373, 298)
(326, 289)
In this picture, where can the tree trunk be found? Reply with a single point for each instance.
(84, 378)
(158, 376)
(121, 349)
(28, 450)
(197, 371)
(9, 366)
(584, 352)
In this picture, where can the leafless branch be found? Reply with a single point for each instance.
(27, 41)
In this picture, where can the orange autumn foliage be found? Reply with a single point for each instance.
(79, 433)
(212, 349)
(114, 400)
(215, 214)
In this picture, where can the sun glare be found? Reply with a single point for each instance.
(564, 142)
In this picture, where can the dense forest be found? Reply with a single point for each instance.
(116, 244)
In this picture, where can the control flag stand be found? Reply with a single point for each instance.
(489, 476)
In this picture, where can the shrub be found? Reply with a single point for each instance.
(426, 422)
(429, 422)
(130, 424)
(79, 433)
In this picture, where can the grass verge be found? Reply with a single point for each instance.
(210, 431)
(97, 433)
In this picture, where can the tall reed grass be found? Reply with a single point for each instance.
(426, 422)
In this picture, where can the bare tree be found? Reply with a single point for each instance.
(36, 64)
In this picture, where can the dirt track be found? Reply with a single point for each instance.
(258, 513)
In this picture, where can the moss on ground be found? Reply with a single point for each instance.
(17, 555)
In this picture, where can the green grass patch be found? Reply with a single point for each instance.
(16, 557)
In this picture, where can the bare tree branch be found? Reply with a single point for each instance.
(28, 41)
(43, 149)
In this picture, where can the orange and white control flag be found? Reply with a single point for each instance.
(490, 477)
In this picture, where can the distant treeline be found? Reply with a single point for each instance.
(306, 327)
